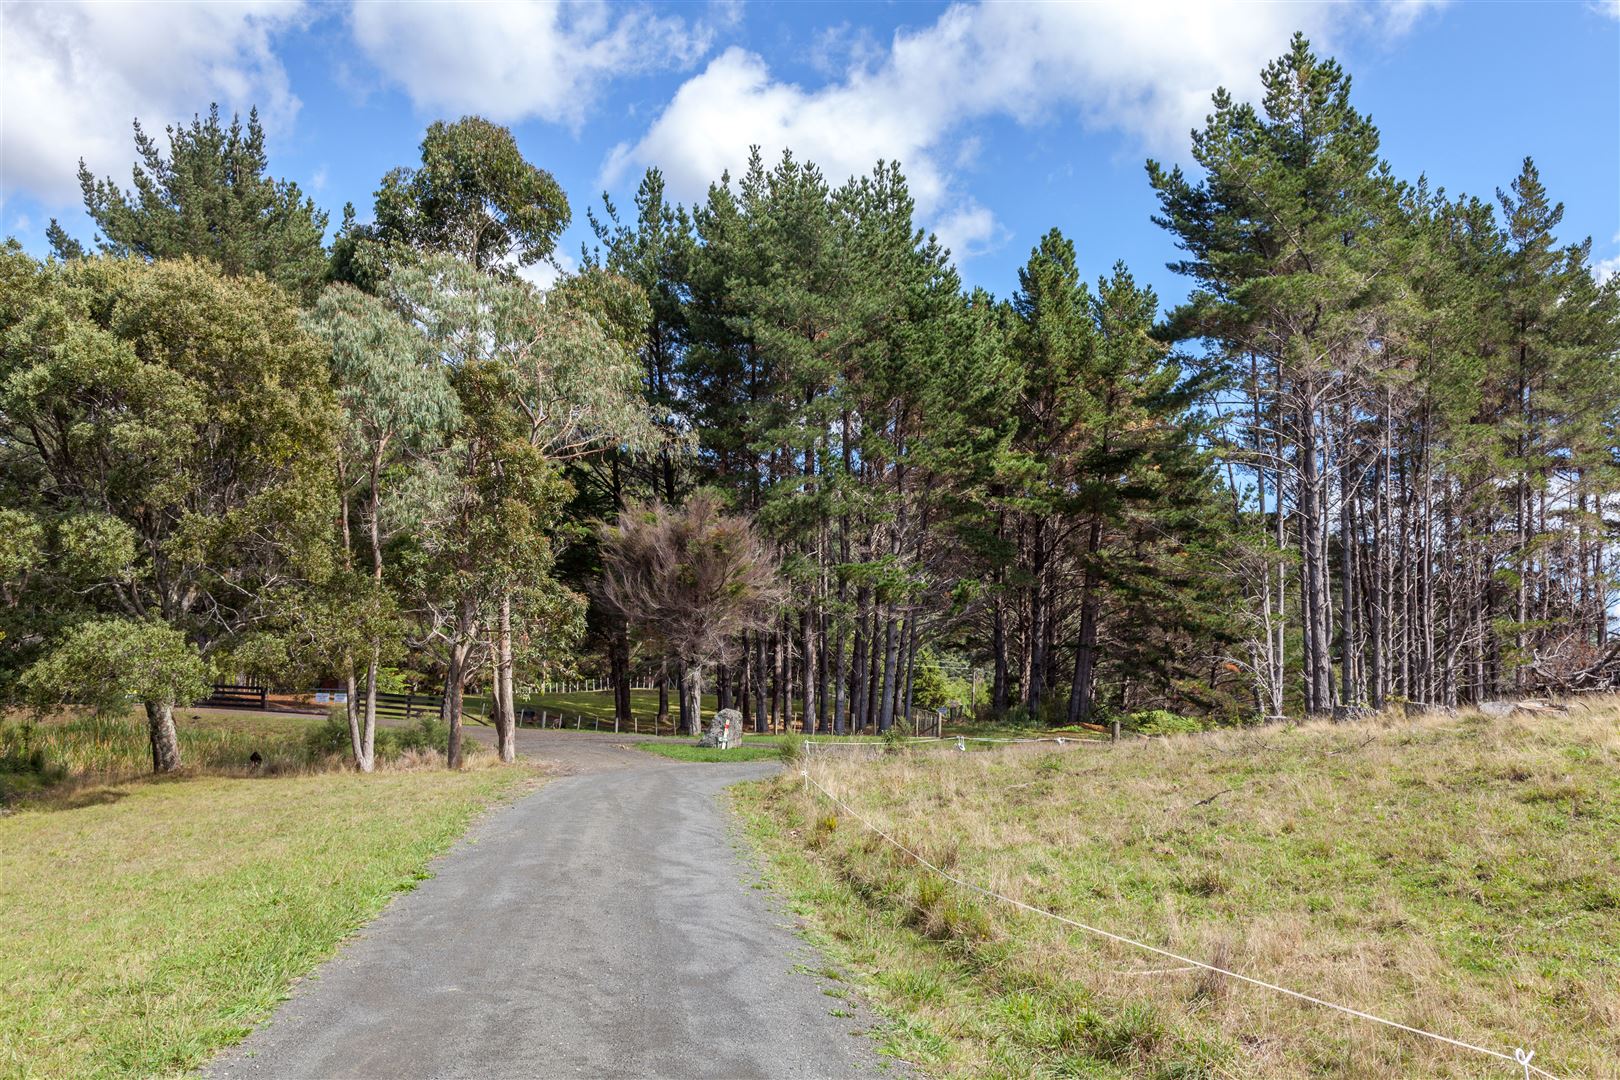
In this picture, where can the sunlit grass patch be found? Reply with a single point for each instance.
(1454, 874)
(146, 922)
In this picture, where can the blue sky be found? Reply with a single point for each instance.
(1010, 119)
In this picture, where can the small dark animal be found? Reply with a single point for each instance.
(255, 759)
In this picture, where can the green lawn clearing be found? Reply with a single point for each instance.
(145, 924)
(598, 705)
(750, 750)
(753, 748)
(1461, 875)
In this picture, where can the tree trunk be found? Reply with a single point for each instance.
(760, 720)
(1314, 568)
(823, 722)
(1085, 650)
(505, 702)
(165, 740)
(454, 681)
(365, 753)
(782, 701)
(1037, 624)
(807, 669)
(619, 665)
(998, 645)
(891, 656)
(858, 666)
(352, 709)
(683, 719)
(692, 696)
(840, 684)
(745, 682)
(910, 669)
(663, 699)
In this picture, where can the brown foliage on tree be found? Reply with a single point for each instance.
(690, 579)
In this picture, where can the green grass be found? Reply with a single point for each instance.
(753, 748)
(73, 749)
(146, 923)
(34, 755)
(1460, 875)
(750, 750)
(598, 705)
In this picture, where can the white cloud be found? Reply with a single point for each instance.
(843, 47)
(1399, 16)
(73, 76)
(968, 230)
(515, 61)
(1606, 269)
(1143, 69)
(544, 274)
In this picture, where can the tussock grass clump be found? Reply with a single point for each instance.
(1458, 874)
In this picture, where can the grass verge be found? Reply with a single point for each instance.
(1460, 875)
(756, 749)
(146, 923)
(787, 748)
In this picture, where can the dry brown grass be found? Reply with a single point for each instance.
(1456, 874)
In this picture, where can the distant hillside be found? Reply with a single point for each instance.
(1457, 874)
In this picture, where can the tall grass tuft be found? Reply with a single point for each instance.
(38, 754)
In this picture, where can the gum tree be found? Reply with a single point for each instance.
(397, 404)
(541, 380)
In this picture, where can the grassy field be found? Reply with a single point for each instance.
(1461, 875)
(146, 923)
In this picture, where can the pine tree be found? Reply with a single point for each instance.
(211, 198)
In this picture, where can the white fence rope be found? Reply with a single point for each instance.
(1520, 1056)
(960, 740)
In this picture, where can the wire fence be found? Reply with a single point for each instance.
(1519, 1057)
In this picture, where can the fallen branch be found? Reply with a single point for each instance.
(1346, 749)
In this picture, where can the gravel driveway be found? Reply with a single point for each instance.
(602, 926)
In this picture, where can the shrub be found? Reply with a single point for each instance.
(427, 735)
(1163, 722)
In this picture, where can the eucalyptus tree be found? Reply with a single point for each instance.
(397, 405)
(210, 197)
(475, 197)
(169, 431)
(540, 380)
